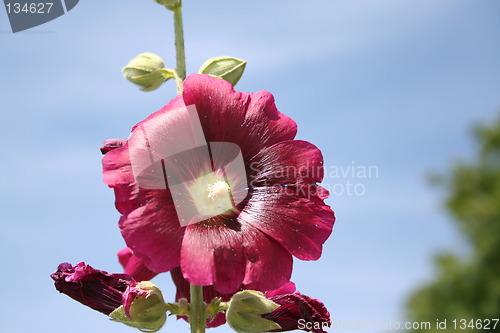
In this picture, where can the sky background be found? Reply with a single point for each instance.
(391, 84)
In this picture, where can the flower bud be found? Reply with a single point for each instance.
(170, 4)
(227, 68)
(148, 71)
(143, 307)
(245, 310)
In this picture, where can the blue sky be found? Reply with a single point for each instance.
(388, 83)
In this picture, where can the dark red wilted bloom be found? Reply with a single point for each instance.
(297, 311)
(96, 289)
(251, 244)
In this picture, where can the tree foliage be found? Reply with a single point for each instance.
(468, 287)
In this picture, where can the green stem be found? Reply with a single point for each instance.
(179, 48)
(197, 310)
(197, 317)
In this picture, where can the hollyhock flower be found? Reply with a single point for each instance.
(297, 311)
(279, 211)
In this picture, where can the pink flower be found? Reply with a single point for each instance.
(250, 244)
(297, 311)
(96, 289)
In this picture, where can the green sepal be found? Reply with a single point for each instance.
(180, 308)
(153, 325)
(255, 324)
(227, 68)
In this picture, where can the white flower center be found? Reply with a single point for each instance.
(218, 190)
(211, 195)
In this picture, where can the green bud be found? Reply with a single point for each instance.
(147, 312)
(170, 4)
(245, 308)
(148, 71)
(227, 68)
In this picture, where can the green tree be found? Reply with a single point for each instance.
(468, 287)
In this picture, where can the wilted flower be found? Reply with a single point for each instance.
(96, 289)
(297, 311)
(250, 243)
(119, 296)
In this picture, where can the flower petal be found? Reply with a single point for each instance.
(251, 121)
(111, 144)
(294, 216)
(116, 168)
(287, 288)
(286, 163)
(269, 265)
(212, 254)
(116, 162)
(134, 266)
(153, 231)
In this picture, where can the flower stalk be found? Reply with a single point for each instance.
(197, 307)
(179, 48)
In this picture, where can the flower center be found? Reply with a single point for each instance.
(211, 195)
(218, 190)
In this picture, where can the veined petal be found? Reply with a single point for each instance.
(286, 163)
(293, 216)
